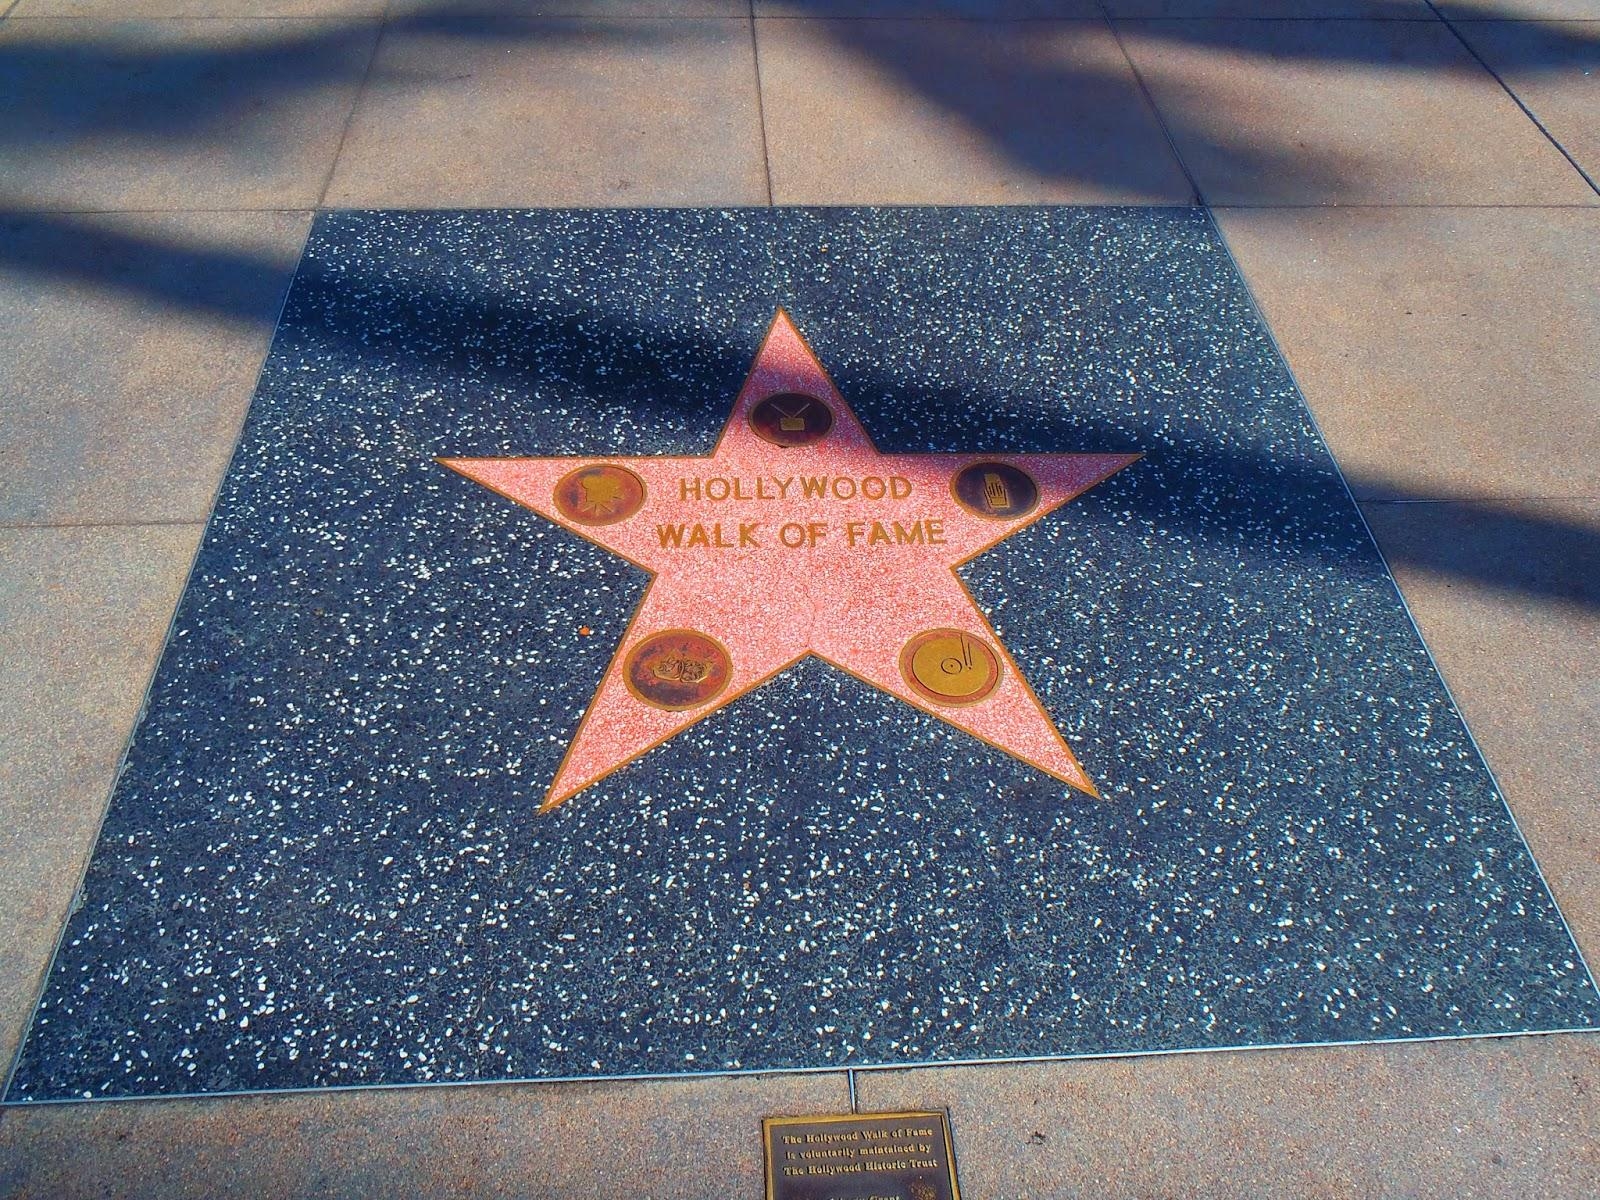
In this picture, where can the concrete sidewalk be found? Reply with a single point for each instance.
(1408, 190)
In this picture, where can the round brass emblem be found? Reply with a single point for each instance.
(995, 489)
(601, 494)
(791, 419)
(677, 669)
(948, 666)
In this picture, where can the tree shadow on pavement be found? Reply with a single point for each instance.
(73, 88)
(225, 283)
(65, 93)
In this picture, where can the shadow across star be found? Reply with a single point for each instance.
(798, 537)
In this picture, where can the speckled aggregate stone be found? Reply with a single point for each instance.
(323, 863)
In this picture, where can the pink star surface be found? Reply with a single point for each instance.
(858, 570)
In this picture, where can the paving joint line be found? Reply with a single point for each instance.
(1268, 205)
(435, 1085)
(903, 18)
(1515, 99)
(1196, 196)
(1281, 19)
(48, 211)
(1398, 500)
(1230, 206)
(761, 103)
(157, 523)
(58, 19)
(355, 103)
(500, 18)
(950, 19)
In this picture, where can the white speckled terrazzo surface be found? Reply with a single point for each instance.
(323, 864)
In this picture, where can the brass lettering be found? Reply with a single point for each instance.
(720, 488)
(927, 532)
(878, 1149)
(708, 537)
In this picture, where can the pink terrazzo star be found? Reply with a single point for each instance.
(796, 537)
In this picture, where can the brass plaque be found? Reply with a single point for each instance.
(678, 669)
(995, 489)
(865, 1156)
(791, 419)
(602, 494)
(948, 666)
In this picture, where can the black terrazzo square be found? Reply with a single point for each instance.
(324, 862)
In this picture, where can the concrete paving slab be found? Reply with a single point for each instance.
(488, 113)
(399, 10)
(174, 114)
(138, 10)
(82, 616)
(1343, 112)
(421, 11)
(1508, 597)
(1446, 352)
(1523, 10)
(1554, 68)
(130, 353)
(952, 112)
(1516, 1117)
(992, 10)
(1369, 10)
(668, 1140)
